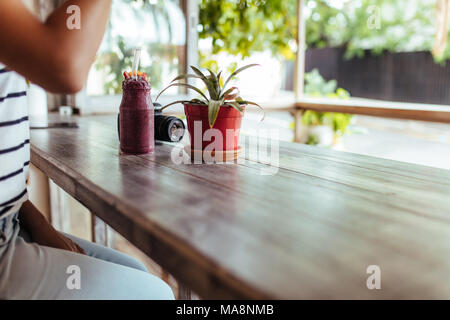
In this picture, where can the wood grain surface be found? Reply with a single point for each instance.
(309, 230)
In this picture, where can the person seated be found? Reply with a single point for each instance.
(36, 261)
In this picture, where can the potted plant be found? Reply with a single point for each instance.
(221, 108)
(324, 128)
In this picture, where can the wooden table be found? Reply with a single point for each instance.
(226, 231)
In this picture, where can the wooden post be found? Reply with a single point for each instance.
(59, 210)
(184, 293)
(192, 12)
(440, 40)
(39, 191)
(299, 67)
(100, 232)
(301, 48)
(298, 125)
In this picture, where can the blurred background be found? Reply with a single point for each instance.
(389, 50)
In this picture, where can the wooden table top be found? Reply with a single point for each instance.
(226, 231)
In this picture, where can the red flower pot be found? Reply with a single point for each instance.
(228, 125)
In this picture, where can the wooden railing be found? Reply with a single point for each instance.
(376, 108)
(369, 107)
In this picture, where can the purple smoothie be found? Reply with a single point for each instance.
(136, 117)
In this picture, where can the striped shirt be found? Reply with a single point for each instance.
(14, 141)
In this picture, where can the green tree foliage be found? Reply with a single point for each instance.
(240, 27)
(115, 62)
(388, 25)
(245, 26)
(317, 86)
(119, 57)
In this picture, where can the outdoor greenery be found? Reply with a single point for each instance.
(247, 26)
(219, 93)
(241, 27)
(119, 57)
(115, 62)
(317, 86)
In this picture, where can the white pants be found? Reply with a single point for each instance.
(32, 271)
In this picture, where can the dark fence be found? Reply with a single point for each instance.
(408, 76)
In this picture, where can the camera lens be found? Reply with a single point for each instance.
(170, 129)
(176, 130)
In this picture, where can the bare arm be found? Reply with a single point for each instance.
(49, 54)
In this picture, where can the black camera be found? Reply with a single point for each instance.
(167, 128)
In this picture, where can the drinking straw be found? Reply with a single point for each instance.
(137, 57)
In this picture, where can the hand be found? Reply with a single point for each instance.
(50, 237)
(43, 232)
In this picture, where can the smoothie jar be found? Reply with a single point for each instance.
(136, 121)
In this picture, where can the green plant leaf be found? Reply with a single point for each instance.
(212, 74)
(224, 95)
(218, 76)
(198, 72)
(213, 111)
(214, 92)
(185, 76)
(235, 105)
(215, 83)
(238, 71)
(208, 82)
(198, 101)
(183, 85)
(175, 102)
(255, 104)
